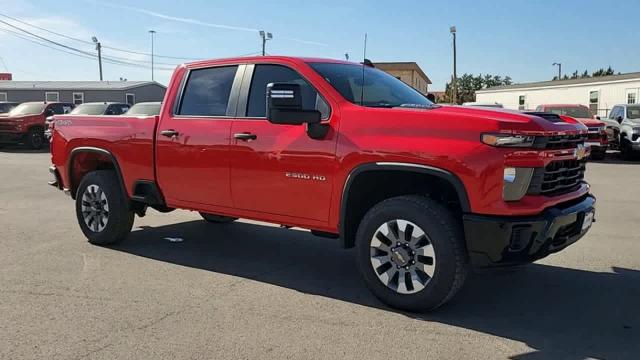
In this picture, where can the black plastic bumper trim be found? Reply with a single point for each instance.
(503, 241)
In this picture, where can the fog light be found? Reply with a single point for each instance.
(509, 174)
(515, 183)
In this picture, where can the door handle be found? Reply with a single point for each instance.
(169, 133)
(245, 136)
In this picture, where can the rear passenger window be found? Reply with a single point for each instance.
(207, 91)
(265, 74)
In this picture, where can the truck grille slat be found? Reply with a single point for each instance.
(559, 177)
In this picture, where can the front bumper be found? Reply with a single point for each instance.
(494, 241)
(11, 137)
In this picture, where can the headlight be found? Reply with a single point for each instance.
(515, 182)
(508, 140)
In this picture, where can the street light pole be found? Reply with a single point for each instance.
(265, 36)
(152, 32)
(99, 48)
(559, 70)
(455, 75)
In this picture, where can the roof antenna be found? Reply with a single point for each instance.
(364, 62)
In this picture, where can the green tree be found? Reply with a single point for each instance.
(468, 84)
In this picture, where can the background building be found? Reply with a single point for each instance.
(79, 92)
(409, 72)
(600, 94)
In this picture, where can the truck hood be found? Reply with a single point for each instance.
(511, 120)
(589, 122)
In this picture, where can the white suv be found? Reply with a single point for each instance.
(625, 119)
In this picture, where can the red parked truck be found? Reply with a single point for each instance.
(422, 191)
(25, 124)
(597, 137)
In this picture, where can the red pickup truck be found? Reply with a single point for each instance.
(422, 191)
(25, 124)
(597, 138)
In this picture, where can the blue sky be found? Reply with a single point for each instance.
(516, 38)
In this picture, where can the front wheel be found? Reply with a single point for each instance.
(101, 208)
(410, 251)
(35, 139)
(625, 149)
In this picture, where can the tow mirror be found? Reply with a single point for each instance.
(284, 107)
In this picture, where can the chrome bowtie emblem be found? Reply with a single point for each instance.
(580, 152)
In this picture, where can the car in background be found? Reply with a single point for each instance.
(597, 137)
(91, 108)
(6, 106)
(25, 124)
(487, 105)
(145, 109)
(624, 119)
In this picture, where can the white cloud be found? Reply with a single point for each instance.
(193, 21)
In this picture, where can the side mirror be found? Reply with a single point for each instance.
(284, 106)
(48, 112)
(597, 117)
(619, 118)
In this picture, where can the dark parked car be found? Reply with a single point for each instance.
(93, 108)
(145, 109)
(6, 106)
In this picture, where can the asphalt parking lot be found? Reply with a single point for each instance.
(252, 291)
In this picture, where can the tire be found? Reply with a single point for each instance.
(598, 155)
(443, 242)
(35, 139)
(625, 149)
(217, 219)
(103, 225)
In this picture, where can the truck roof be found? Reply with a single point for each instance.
(266, 59)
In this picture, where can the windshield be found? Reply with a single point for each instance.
(4, 108)
(144, 109)
(371, 87)
(28, 109)
(576, 112)
(90, 109)
(633, 112)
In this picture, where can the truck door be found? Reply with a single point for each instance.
(278, 169)
(193, 139)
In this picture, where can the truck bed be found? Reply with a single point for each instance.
(129, 138)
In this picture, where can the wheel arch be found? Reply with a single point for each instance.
(91, 159)
(440, 179)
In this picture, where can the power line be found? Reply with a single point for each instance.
(77, 52)
(90, 43)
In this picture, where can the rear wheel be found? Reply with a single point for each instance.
(101, 208)
(410, 251)
(35, 138)
(218, 219)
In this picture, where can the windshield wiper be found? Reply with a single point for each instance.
(416, 106)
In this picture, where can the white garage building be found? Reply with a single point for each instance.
(600, 94)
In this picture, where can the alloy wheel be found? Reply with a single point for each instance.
(95, 208)
(402, 256)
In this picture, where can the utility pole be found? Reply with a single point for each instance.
(455, 75)
(152, 32)
(265, 36)
(99, 48)
(559, 70)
